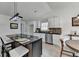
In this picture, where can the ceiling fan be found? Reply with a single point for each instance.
(15, 17)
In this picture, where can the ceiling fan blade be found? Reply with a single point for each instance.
(14, 16)
(20, 16)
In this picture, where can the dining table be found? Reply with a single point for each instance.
(72, 35)
(73, 44)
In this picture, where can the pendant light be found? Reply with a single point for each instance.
(17, 17)
(78, 16)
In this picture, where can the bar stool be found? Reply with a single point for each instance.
(7, 41)
(16, 52)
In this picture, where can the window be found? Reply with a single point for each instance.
(44, 26)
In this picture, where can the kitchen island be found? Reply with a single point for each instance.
(34, 45)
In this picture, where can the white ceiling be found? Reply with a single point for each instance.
(60, 5)
(7, 8)
(29, 10)
(33, 10)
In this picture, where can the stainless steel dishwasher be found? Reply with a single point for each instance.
(49, 38)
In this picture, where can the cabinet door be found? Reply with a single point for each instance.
(37, 48)
(54, 22)
(29, 46)
(49, 38)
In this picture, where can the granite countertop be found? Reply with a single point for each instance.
(47, 32)
(30, 37)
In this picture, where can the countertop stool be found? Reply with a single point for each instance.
(4, 44)
(19, 52)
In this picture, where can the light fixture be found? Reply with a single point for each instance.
(16, 17)
(78, 16)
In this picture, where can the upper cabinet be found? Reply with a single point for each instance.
(54, 22)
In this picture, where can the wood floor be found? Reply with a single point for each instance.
(50, 51)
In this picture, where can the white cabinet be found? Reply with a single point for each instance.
(54, 22)
(51, 22)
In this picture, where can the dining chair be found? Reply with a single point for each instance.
(4, 45)
(64, 50)
(16, 52)
(7, 41)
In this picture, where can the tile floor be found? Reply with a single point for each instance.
(53, 51)
(49, 51)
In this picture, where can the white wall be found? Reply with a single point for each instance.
(24, 27)
(5, 26)
(36, 24)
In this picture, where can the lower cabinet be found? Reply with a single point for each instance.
(35, 48)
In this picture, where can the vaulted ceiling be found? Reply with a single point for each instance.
(33, 10)
(29, 10)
